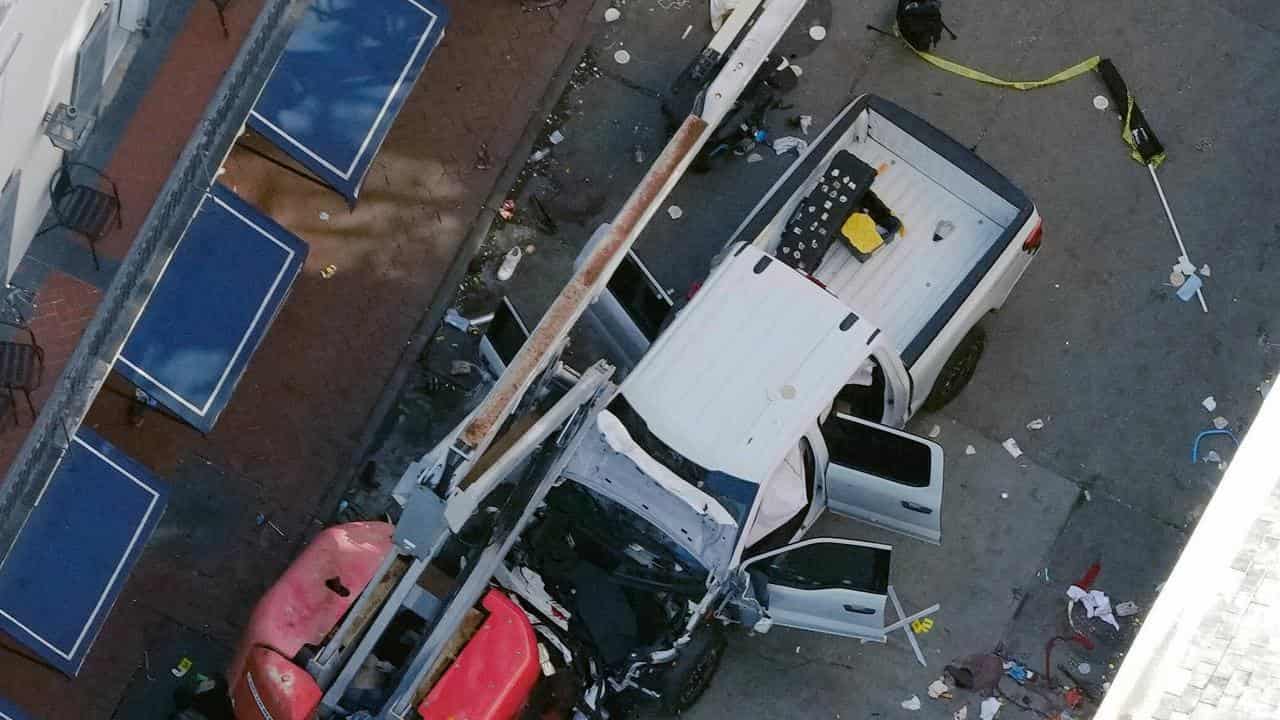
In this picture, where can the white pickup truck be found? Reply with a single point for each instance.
(966, 236)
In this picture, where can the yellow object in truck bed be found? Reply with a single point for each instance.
(860, 230)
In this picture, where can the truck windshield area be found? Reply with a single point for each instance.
(734, 494)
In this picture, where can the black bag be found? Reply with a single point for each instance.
(920, 23)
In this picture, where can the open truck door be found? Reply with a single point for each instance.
(882, 475)
(827, 585)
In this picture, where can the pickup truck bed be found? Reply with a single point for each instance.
(913, 285)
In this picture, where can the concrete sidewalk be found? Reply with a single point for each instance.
(298, 415)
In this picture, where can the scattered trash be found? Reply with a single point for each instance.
(921, 626)
(942, 230)
(324, 216)
(1101, 102)
(1209, 403)
(637, 153)
(1012, 446)
(796, 69)
(1004, 496)
(483, 160)
(540, 155)
(911, 703)
(675, 212)
(1195, 445)
(1018, 672)
(1036, 424)
(786, 144)
(328, 271)
(935, 431)
(1088, 497)
(939, 689)
(1073, 697)
(622, 57)
(806, 122)
(970, 450)
(754, 158)
(530, 249)
(686, 32)
(1044, 576)
(612, 15)
(509, 263)
(1127, 608)
(989, 708)
(1189, 288)
(961, 714)
(556, 137)
(1206, 271)
(182, 668)
(1185, 266)
(1084, 668)
(1176, 278)
(1096, 604)
(1212, 457)
(818, 33)
(508, 209)
(1220, 423)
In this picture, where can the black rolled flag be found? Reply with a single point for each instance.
(1143, 144)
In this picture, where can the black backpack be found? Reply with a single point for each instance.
(920, 23)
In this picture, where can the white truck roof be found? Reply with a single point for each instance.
(747, 366)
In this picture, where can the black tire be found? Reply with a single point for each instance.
(690, 675)
(958, 370)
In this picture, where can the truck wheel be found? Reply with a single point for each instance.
(958, 370)
(690, 675)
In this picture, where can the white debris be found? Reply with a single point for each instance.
(990, 707)
(1220, 423)
(797, 69)
(556, 137)
(935, 431)
(817, 32)
(622, 57)
(675, 212)
(911, 703)
(1084, 668)
(961, 714)
(324, 216)
(1205, 270)
(1088, 496)
(686, 32)
(509, 263)
(540, 155)
(1176, 278)
(786, 144)
(1209, 403)
(754, 158)
(612, 15)
(1012, 446)
(939, 689)
(970, 450)
(1127, 608)
(1213, 457)
(1185, 266)
(1004, 496)
(1036, 424)
(1101, 102)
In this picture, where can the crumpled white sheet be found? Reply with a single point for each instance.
(1096, 604)
(720, 11)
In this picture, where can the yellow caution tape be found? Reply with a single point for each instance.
(950, 66)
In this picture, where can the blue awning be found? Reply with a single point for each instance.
(213, 303)
(343, 77)
(75, 551)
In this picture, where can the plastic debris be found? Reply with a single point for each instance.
(540, 155)
(786, 144)
(182, 668)
(970, 450)
(1212, 457)
(935, 431)
(796, 69)
(1127, 608)
(1018, 672)
(612, 15)
(508, 209)
(675, 212)
(328, 271)
(939, 689)
(1004, 496)
(989, 708)
(1036, 424)
(1209, 403)
(1084, 668)
(1044, 575)
(1189, 288)
(1101, 102)
(1096, 604)
(818, 33)
(806, 122)
(556, 137)
(686, 32)
(754, 158)
(637, 154)
(1176, 278)
(911, 703)
(509, 263)
(324, 216)
(1012, 446)
(1185, 266)
(942, 230)
(961, 714)
(622, 57)
(1220, 423)
(1206, 271)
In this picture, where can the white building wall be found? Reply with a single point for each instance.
(44, 36)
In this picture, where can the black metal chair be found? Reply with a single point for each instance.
(21, 368)
(82, 207)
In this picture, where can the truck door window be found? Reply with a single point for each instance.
(875, 452)
(635, 292)
(821, 566)
(863, 396)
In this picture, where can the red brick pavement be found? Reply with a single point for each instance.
(297, 415)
